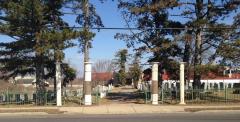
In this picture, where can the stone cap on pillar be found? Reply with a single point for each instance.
(154, 62)
(183, 62)
(58, 62)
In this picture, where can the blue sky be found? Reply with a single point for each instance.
(104, 44)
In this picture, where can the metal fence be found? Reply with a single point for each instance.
(70, 96)
(201, 96)
(222, 95)
(75, 96)
(9, 97)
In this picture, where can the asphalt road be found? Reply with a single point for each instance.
(178, 117)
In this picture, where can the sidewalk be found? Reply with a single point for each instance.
(121, 100)
(143, 109)
(118, 109)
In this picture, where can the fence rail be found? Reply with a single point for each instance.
(201, 96)
(29, 97)
(26, 98)
(215, 95)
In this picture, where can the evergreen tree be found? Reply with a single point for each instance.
(229, 49)
(120, 61)
(69, 74)
(86, 17)
(206, 14)
(200, 14)
(24, 22)
(135, 69)
(150, 16)
(59, 35)
(37, 28)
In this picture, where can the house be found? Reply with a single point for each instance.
(227, 77)
(102, 78)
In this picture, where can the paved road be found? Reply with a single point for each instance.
(180, 117)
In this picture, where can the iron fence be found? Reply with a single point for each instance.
(70, 96)
(9, 97)
(201, 96)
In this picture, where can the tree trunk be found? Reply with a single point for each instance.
(55, 86)
(87, 86)
(40, 85)
(198, 44)
(197, 60)
(186, 58)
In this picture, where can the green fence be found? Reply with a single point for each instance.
(8, 97)
(31, 98)
(201, 96)
(75, 97)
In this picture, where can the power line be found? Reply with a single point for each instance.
(132, 28)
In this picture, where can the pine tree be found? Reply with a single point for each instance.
(86, 17)
(135, 69)
(120, 61)
(229, 49)
(149, 17)
(58, 36)
(37, 29)
(205, 14)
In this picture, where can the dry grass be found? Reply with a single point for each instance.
(49, 111)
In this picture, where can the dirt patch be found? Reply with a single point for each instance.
(49, 111)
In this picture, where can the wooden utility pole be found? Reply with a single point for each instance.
(155, 83)
(87, 86)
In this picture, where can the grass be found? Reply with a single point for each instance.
(48, 111)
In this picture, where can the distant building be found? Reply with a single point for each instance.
(26, 81)
(102, 77)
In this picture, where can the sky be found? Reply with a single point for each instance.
(104, 44)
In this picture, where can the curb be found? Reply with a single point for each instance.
(210, 109)
(121, 111)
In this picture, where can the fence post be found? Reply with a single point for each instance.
(97, 95)
(162, 95)
(146, 96)
(46, 99)
(225, 89)
(182, 102)
(155, 83)
(8, 99)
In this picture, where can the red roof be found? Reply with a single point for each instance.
(234, 76)
(102, 76)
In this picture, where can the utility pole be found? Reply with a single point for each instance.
(87, 86)
(155, 83)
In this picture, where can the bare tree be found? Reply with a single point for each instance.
(103, 66)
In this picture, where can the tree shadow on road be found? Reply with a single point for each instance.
(126, 97)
